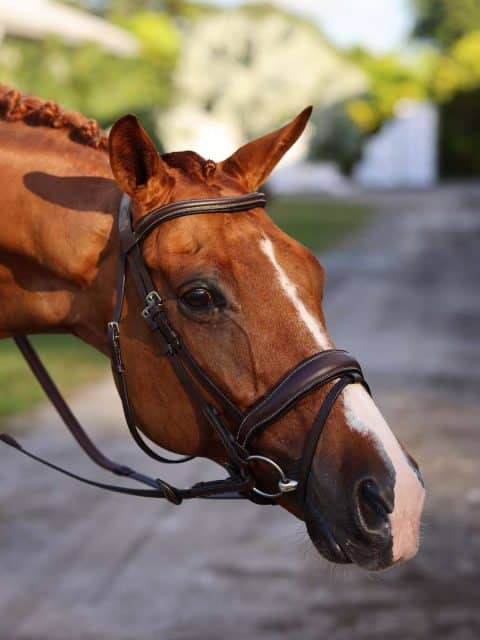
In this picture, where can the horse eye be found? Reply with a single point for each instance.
(198, 298)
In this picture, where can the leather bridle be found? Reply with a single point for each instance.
(235, 429)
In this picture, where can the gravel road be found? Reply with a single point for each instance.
(76, 564)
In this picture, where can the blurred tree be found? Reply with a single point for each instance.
(391, 80)
(337, 137)
(457, 70)
(85, 78)
(460, 135)
(256, 67)
(88, 79)
(444, 21)
(123, 8)
(150, 21)
(158, 35)
(343, 128)
(455, 84)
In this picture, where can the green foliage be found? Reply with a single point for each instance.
(158, 35)
(391, 80)
(444, 21)
(342, 129)
(84, 78)
(460, 135)
(319, 223)
(450, 77)
(455, 85)
(459, 69)
(87, 79)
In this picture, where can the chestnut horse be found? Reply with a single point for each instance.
(245, 297)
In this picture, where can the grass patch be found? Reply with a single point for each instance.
(69, 361)
(318, 223)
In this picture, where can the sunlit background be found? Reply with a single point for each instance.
(383, 186)
(211, 74)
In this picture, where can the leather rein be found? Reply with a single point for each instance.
(234, 428)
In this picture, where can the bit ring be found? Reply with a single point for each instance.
(285, 484)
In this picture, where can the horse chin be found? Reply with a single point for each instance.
(323, 538)
(337, 546)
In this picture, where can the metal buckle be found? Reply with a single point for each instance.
(285, 485)
(154, 315)
(153, 300)
(114, 332)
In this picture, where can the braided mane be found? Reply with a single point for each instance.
(15, 107)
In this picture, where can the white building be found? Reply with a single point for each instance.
(404, 153)
(37, 19)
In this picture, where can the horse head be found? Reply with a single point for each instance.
(246, 300)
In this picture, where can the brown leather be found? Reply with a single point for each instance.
(310, 374)
(237, 204)
(311, 443)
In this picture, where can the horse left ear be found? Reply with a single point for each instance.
(254, 162)
(136, 165)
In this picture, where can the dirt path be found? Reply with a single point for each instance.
(79, 565)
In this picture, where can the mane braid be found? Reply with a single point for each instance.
(15, 107)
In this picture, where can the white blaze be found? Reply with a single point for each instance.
(363, 416)
(290, 290)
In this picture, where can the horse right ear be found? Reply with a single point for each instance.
(254, 162)
(136, 165)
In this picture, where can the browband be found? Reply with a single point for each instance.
(235, 204)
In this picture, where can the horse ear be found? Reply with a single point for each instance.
(254, 162)
(136, 165)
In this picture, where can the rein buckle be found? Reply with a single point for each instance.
(114, 336)
(153, 302)
(154, 315)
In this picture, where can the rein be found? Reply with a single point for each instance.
(234, 428)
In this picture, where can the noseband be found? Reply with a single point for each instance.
(237, 430)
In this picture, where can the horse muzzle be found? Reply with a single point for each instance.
(351, 524)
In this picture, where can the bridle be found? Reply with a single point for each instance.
(235, 429)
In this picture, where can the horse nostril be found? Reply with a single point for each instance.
(373, 505)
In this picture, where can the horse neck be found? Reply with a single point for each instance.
(56, 244)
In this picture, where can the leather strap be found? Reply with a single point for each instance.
(310, 374)
(318, 427)
(226, 489)
(64, 411)
(236, 204)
